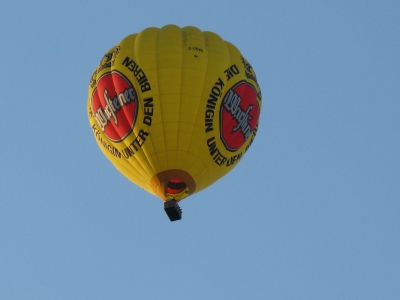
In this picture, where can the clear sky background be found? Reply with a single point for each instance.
(311, 212)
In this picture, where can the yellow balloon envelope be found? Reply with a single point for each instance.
(174, 109)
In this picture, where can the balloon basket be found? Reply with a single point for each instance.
(174, 212)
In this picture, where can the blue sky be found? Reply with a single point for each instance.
(311, 212)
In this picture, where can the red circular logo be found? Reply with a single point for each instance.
(239, 114)
(115, 105)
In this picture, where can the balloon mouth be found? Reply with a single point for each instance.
(176, 189)
(173, 184)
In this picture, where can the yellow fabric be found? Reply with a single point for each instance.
(180, 77)
(178, 196)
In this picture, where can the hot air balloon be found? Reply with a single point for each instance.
(174, 109)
